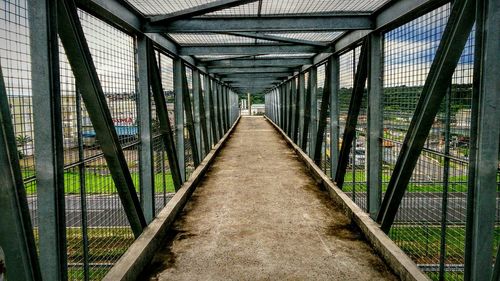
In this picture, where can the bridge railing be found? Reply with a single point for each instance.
(106, 125)
(399, 134)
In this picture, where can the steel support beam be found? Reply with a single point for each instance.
(264, 24)
(212, 106)
(196, 111)
(302, 105)
(375, 125)
(49, 154)
(80, 59)
(290, 108)
(275, 38)
(256, 62)
(179, 116)
(248, 70)
(250, 84)
(218, 95)
(323, 115)
(448, 54)
(313, 126)
(307, 113)
(250, 80)
(286, 87)
(277, 75)
(352, 115)
(245, 49)
(199, 10)
(206, 102)
(146, 167)
(16, 232)
(296, 111)
(294, 116)
(334, 114)
(485, 132)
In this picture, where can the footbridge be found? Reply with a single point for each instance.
(249, 140)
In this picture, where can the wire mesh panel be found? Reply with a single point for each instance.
(430, 223)
(98, 231)
(164, 186)
(16, 69)
(355, 177)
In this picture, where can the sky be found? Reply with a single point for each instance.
(409, 50)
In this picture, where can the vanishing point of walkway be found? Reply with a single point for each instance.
(258, 215)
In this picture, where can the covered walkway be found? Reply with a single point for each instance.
(259, 215)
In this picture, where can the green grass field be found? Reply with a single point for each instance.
(103, 184)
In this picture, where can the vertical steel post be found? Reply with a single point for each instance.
(196, 111)
(334, 114)
(313, 85)
(16, 232)
(213, 111)
(302, 96)
(323, 115)
(83, 187)
(204, 139)
(307, 116)
(209, 109)
(219, 110)
(374, 134)
(146, 147)
(295, 114)
(179, 117)
(49, 154)
(483, 170)
(249, 102)
(290, 108)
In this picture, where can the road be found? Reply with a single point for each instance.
(421, 207)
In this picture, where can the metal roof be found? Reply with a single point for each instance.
(255, 29)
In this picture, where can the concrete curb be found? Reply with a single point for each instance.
(397, 260)
(140, 253)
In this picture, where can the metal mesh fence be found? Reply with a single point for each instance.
(164, 186)
(355, 177)
(430, 224)
(98, 232)
(16, 69)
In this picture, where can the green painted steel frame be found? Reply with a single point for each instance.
(80, 59)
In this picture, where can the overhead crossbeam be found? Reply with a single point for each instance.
(199, 10)
(277, 75)
(246, 49)
(439, 78)
(247, 79)
(281, 62)
(281, 39)
(249, 70)
(263, 24)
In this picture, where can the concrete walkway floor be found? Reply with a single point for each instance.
(258, 215)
